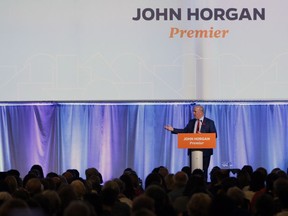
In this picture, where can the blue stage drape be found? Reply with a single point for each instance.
(114, 136)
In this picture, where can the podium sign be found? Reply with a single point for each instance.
(197, 140)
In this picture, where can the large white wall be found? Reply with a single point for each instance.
(94, 50)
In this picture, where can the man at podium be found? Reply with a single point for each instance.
(199, 124)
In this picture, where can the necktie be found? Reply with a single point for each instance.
(198, 126)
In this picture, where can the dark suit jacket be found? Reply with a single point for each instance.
(208, 126)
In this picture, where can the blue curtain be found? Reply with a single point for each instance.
(114, 136)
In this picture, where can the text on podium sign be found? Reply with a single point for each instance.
(196, 140)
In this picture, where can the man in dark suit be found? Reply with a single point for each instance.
(199, 124)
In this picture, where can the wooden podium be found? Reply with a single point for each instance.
(196, 142)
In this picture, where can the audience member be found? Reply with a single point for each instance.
(195, 184)
(281, 194)
(257, 183)
(143, 202)
(110, 202)
(180, 181)
(244, 179)
(5, 196)
(169, 181)
(11, 183)
(28, 177)
(162, 203)
(15, 207)
(126, 186)
(163, 171)
(259, 193)
(79, 188)
(137, 183)
(77, 208)
(241, 204)
(199, 205)
(34, 186)
(227, 183)
(187, 170)
(16, 174)
(38, 170)
(68, 176)
(94, 199)
(66, 195)
(217, 177)
(93, 172)
(264, 205)
(154, 179)
(22, 194)
(198, 172)
(53, 200)
(212, 174)
(122, 196)
(248, 169)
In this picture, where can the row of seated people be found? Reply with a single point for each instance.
(248, 193)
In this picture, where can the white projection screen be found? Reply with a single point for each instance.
(79, 50)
